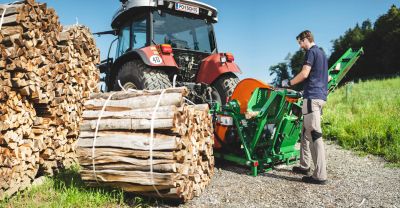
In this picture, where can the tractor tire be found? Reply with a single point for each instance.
(136, 75)
(223, 87)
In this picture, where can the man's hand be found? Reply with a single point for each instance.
(286, 83)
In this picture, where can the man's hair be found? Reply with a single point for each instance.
(306, 34)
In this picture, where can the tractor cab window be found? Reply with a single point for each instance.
(123, 40)
(138, 35)
(132, 36)
(183, 32)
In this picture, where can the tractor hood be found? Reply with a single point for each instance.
(191, 7)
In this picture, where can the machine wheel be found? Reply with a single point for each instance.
(136, 75)
(223, 87)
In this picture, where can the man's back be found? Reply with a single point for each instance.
(315, 86)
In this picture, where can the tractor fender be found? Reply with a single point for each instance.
(212, 67)
(150, 56)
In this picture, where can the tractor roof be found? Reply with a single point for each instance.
(137, 6)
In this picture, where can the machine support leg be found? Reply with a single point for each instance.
(254, 170)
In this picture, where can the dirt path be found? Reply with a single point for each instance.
(354, 181)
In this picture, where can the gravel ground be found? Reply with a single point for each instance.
(354, 181)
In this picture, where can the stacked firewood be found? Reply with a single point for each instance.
(76, 77)
(46, 73)
(118, 149)
(19, 148)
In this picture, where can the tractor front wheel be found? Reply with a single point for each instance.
(136, 75)
(223, 87)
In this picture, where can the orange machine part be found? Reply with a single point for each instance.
(242, 94)
(220, 131)
(245, 89)
(291, 100)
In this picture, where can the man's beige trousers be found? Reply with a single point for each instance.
(312, 145)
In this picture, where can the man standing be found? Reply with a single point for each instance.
(315, 76)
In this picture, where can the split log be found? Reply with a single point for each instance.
(137, 93)
(163, 112)
(135, 141)
(44, 83)
(137, 102)
(126, 124)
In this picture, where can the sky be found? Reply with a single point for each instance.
(260, 33)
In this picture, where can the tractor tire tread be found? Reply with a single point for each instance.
(143, 76)
(225, 85)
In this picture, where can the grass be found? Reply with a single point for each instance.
(67, 190)
(365, 117)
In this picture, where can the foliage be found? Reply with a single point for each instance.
(381, 44)
(281, 72)
(296, 61)
(364, 117)
(296, 64)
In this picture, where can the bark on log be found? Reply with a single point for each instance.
(182, 158)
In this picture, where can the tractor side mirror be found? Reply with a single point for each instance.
(108, 32)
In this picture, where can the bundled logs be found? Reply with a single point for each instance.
(46, 73)
(178, 163)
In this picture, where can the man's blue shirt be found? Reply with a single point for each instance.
(316, 85)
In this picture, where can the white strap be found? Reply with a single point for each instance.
(152, 141)
(95, 135)
(4, 12)
(2, 16)
(174, 81)
(120, 85)
(189, 101)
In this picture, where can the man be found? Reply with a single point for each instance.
(314, 74)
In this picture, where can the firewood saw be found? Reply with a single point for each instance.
(260, 124)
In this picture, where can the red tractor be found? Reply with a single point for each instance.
(161, 42)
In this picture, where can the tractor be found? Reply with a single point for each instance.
(161, 43)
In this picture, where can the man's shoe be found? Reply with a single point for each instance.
(301, 170)
(310, 179)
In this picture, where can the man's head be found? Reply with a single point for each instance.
(305, 40)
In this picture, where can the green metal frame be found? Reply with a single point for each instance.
(261, 148)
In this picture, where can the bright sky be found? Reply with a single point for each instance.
(260, 33)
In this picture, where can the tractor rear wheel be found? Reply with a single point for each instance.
(136, 75)
(223, 87)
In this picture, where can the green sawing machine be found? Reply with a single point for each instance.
(260, 125)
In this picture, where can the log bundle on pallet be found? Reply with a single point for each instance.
(122, 155)
(46, 73)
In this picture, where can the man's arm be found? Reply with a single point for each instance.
(300, 77)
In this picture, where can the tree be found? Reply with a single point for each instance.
(381, 45)
(297, 61)
(280, 71)
(387, 35)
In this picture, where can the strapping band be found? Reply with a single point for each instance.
(152, 141)
(4, 12)
(95, 135)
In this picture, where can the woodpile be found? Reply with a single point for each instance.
(177, 162)
(46, 73)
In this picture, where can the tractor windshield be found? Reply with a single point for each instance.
(183, 32)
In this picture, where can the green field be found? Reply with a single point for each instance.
(365, 117)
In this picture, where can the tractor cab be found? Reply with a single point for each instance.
(183, 27)
(161, 42)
